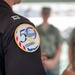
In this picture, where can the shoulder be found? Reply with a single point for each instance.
(73, 31)
(10, 16)
(54, 28)
(11, 20)
(38, 27)
(13, 17)
(20, 20)
(72, 34)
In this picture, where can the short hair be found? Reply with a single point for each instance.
(46, 10)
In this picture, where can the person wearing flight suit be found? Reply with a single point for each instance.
(19, 43)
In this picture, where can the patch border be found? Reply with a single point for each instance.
(25, 24)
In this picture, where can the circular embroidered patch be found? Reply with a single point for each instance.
(27, 38)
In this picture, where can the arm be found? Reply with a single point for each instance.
(68, 71)
(70, 53)
(50, 63)
(56, 58)
(58, 46)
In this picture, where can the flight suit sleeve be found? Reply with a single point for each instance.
(22, 55)
(2, 67)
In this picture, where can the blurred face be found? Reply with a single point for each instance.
(17, 1)
(45, 16)
(12, 2)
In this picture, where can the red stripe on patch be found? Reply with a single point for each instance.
(24, 47)
(19, 43)
(16, 38)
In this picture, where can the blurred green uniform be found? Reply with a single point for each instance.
(50, 39)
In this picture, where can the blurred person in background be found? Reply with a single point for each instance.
(50, 43)
(71, 49)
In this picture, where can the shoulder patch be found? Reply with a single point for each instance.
(27, 38)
